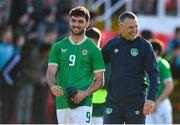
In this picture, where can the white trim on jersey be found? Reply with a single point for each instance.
(79, 43)
(167, 79)
(99, 70)
(54, 64)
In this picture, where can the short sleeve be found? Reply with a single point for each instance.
(53, 56)
(97, 60)
(165, 71)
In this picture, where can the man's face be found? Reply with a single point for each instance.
(129, 28)
(78, 25)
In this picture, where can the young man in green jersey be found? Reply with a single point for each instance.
(163, 109)
(73, 63)
(99, 96)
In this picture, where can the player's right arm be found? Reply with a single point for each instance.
(52, 69)
(51, 73)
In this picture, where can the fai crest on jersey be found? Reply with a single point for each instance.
(116, 50)
(137, 112)
(108, 111)
(134, 52)
(84, 52)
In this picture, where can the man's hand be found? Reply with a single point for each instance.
(81, 95)
(148, 107)
(57, 90)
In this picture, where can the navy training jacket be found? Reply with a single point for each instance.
(130, 61)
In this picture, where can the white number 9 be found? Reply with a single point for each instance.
(72, 59)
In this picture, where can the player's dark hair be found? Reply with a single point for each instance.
(125, 15)
(147, 34)
(94, 33)
(80, 11)
(157, 46)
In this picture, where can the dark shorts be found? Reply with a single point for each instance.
(130, 112)
(98, 110)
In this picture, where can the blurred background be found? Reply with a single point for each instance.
(28, 28)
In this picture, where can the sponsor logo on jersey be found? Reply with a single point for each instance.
(63, 50)
(116, 50)
(134, 52)
(84, 52)
(108, 111)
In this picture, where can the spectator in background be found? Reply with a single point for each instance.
(174, 54)
(63, 22)
(2, 15)
(7, 53)
(62, 14)
(131, 57)
(6, 50)
(99, 96)
(175, 41)
(39, 114)
(147, 34)
(48, 20)
(174, 62)
(18, 8)
(10, 74)
(163, 108)
(26, 23)
(51, 35)
(29, 70)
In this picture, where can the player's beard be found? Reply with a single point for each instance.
(80, 32)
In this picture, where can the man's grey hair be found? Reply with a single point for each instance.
(125, 15)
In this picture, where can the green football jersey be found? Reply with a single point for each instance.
(164, 73)
(77, 64)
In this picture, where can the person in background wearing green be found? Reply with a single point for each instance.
(163, 108)
(99, 96)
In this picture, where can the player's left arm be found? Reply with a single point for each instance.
(165, 71)
(99, 82)
(167, 91)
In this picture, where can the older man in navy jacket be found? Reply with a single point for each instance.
(131, 58)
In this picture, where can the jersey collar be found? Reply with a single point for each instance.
(79, 43)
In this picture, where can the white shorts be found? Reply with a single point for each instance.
(97, 120)
(79, 115)
(162, 115)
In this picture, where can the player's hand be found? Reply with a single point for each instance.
(156, 104)
(148, 107)
(57, 90)
(81, 95)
